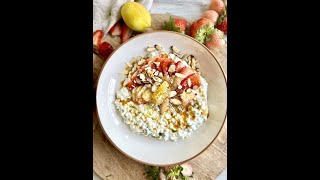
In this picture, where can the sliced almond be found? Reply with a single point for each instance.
(158, 47)
(142, 77)
(172, 93)
(193, 63)
(154, 88)
(129, 65)
(172, 68)
(126, 81)
(154, 70)
(157, 79)
(160, 74)
(188, 90)
(172, 56)
(184, 56)
(164, 106)
(179, 75)
(175, 101)
(142, 61)
(175, 49)
(157, 63)
(179, 87)
(141, 91)
(195, 87)
(176, 82)
(189, 82)
(151, 49)
(156, 73)
(147, 95)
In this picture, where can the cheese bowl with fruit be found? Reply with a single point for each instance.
(161, 98)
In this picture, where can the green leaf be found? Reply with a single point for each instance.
(203, 33)
(170, 26)
(152, 172)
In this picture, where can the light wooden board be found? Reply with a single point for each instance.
(109, 163)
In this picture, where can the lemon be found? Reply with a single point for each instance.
(136, 16)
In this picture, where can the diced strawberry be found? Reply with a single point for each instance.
(97, 36)
(195, 81)
(163, 56)
(179, 66)
(105, 50)
(126, 32)
(186, 71)
(116, 31)
(131, 85)
(164, 65)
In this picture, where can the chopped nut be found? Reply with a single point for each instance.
(179, 75)
(189, 82)
(179, 87)
(154, 70)
(164, 106)
(157, 63)
(138, 81)
(172, 56)
(166, 78)
(175, 101)
(184, 56)
(172, 68)
(141, 91)
(157, 79)
(195, 87)
(151, 49)
(172, 93)
(141, 61)
(142, 77)
(149, 85)
(193, 63)
(188, 90)
(175, 49)
(154, 88)
(160, 74)
(176, 82)
(156, 73)
(147, 95)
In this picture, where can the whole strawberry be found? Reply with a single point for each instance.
(215, 40)
(177, 25)
(105, 50)
(217, 5)
(222, 25)
(222, 22)
(201, 29)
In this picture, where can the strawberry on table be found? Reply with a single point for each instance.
(212, 15)
(222, 22)
(216, 40)
(97, 36)
(217, 5)
(116, 30)
(201, 29)
(126, 32)
(105, 50)
(177, 25)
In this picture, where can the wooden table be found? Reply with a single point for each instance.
(191, 9)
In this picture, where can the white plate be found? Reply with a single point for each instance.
(149, 150)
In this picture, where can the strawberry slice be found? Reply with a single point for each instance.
(181, 23)
(97, 36)
(105, 50)
(186, 71)
(179, 66)
(116, 30)
(195, 81)
(164, 65)
(126, 32)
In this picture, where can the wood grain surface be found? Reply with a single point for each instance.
(109, 163)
